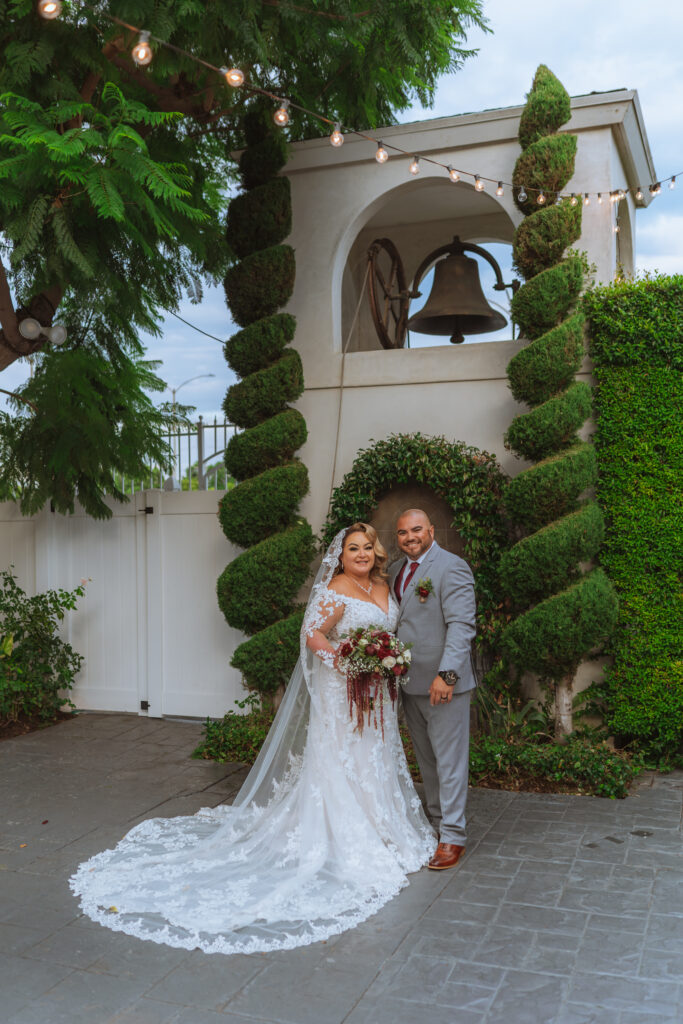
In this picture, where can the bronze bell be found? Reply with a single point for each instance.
(456, 305)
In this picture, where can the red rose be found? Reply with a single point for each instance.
(371, 649)
(346, 649)
(398, 670)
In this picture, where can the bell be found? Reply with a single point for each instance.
(456, 305)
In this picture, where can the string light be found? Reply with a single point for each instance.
(49, 9)
(381, 156)
(586, 200)
(142, 51)
(621, 194)
(521, 195)
(415, 165)
(233, 76)
(600, 198)
(478, 183)
(453, 174)
(573, 199)
(540, 198)
(655, 189)
(616, 229)
(500, 190)
(336, 138)
(281, 115)
(672, 183)
(639, 193)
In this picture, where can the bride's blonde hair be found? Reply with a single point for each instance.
(378, 571)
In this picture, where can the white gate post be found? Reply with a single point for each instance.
(150, 596)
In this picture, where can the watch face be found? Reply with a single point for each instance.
(450, 677)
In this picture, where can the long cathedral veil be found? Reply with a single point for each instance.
(287, 736)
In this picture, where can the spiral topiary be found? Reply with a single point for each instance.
(561, 612)
(257, 590)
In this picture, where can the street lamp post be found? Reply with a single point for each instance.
(174, 391)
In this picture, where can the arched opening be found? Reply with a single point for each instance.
(416, 495)
(419, 216)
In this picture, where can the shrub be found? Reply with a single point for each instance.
(542, 237)
(270, 206)
(547, 560)
(552, 425)
(545, 165)
(261, 161)
(545, 300)
(263, 504)
(38, 667)
(547, 108)
(552, 487)
(260, 284)
(265, 393)
(266, 660)
(237, 737)
(549, 364)
(551, 638)
(259, 344)
(266, 445)
(259, 586)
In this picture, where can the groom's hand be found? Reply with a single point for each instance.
(440, 692)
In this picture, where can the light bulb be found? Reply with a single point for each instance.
(616, 229)
(453, 174)
(540, 198)
(336, 138)
(521, 195)
(621, 194)
(573, 199)
(29, 328)
(281, 115)
(50, 9)
(57, 334)
(478, 183)
(655, 189)
(233, 76)
(672, 183)
(142, 51)
(600, 198)
(381, 156)
(500, 190)
(415, 165)
(586, 200)
(639, 193)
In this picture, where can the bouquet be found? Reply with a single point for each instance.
(371, 656)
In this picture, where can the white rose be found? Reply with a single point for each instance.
(399, 660)
(362, 642)
(407, 657)
(389, 662)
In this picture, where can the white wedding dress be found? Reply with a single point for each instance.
(322, 834)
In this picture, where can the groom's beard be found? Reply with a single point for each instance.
(415, 549)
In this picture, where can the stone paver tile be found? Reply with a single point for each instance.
(526, 997)
(665, 930)
(542, 889)
(609, 994)
(206, 982)
(322, 995)
(602, 902)
(662, 963)
(81, 998)
(397, 1011)
(571, 1013)
(610, 953)
(462, 996)
(619, 923)
(503, 947)
(22, 981)
(545, 919)
(16, 938)
(148, 1011)
(460, 911)
(438, 938)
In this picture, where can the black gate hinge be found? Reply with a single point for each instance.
(144, 705)
(148, 510)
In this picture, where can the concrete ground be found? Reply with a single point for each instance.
(566, 910)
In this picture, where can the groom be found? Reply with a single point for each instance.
(436, 697)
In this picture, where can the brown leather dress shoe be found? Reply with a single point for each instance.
(446, 855)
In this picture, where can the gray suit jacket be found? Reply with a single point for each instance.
(441, 629)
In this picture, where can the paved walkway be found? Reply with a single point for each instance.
(566, 910)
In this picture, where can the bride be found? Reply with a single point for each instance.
(325, 828)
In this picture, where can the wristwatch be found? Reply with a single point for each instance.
(449, 678)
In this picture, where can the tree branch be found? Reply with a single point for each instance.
(321, 14)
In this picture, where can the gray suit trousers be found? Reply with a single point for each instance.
(441, 738)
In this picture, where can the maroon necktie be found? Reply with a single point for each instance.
(401, 585)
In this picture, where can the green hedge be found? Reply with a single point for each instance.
(547, 560)
(266, 659)
(546, 299)
(259, 586)
(263, 504)
(552, 637)
(266, 445)
(270, 206)
(552, 425)
(260, 284)
(259, 344)
(636, 341)
(545, 165)
(549, 364)
(542, 237)
(262, 161)
(552, 487)
(266, 392)
(547, 108)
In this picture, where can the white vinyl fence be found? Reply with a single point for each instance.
(149, 627)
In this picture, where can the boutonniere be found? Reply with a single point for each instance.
(424, 589)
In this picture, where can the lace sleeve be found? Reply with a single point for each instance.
(322, 615)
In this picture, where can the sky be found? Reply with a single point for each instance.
(591, 45)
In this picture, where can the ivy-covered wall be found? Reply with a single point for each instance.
(636, 343)
(560, 613)
(257, 590)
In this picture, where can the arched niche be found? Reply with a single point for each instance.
(413, 494)
(418, 216)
